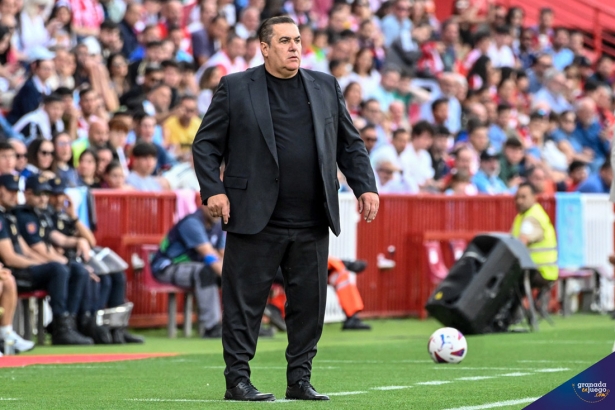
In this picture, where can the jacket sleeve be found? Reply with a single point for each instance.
(352, 157)
(210, 143)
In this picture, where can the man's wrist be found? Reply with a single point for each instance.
(210, 259)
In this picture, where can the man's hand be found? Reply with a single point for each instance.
(219, 206)
(368, 205)
(5, 274)
(83, 249)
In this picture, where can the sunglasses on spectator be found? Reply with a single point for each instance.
(21, 156)
(45, 153)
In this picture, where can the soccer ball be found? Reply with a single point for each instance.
(447, 345)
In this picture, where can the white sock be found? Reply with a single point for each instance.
(5, 330)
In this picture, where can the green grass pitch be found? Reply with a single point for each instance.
(387, 368)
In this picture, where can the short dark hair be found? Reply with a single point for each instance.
(109, 25)
(438, 102)
(474, 124)
(528, 185)
(112, 165)
(399, 131)
(513, 142)
(6, 146)
(504, 107)
(421, 127)
(367, 128)
(53, 98)
(64, 92)
(83, 92)
(170, 63)
(442, 130)
(144, 149)
(265, 31)
(606, 165)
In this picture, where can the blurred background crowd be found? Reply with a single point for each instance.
(110, 93)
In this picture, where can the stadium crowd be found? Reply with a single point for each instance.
(109, 94)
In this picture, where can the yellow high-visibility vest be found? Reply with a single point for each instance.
(543, 253)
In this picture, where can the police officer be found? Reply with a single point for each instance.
(33, 273)
(110, 291)
(38, 232)
(190, 256)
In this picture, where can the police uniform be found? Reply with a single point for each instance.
(177, 262)
(51, 277)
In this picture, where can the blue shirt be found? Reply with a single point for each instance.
(489, 185)
(392, 28)
(497, 137)
(562, 58)
(594, 185)
(182, 240)
(590, 138)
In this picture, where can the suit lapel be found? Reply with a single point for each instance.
(318, 114)
(262, 110)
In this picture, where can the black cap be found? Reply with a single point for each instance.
(57, 186)
(10, 182)
(38, 184)
(488, 154)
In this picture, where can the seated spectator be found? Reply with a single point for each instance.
(600, 182)
(62, 164)
(43, 122)
(500, 130)
(577, 173)
(21, 156)
(588, 134)
(118, 135)
(7, 158)
(511, 162)
(389, 179)
(563, 137)
(114, 177)
(394, 151)
(364, 72)
(40, 158)
(538, 177)
(439, 111)
(500, 53)
(104, 156)
(230, 58)
(369, 137)
(604, 70)
(486, 179)
(372, 113)
(145, 131)
(552, 93)
(385, 92)
(461, 184)
(562, 55)
(98, 137)
(352, 96)
(207, 84)
(143, 165)
(416, 161)
(181, 128)
(439, 152)
(30, 95)
(448, 84)
(86, 169)
(478, 141)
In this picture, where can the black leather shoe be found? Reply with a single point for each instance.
(304, 391)
(356, 266)
(245, 391)
(354, 323)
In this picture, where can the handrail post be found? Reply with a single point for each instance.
(597, 32)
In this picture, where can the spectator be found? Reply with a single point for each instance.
(145, 131)
(552, 94)
(364, 72)
(86, 169)
(104, 156)
(117, 67)
(397, 22)
(393, 152)
(181, 128)
(249, 21)
(208, 84)
(118, 133)
(92, 110)
(397, 116)
(128, 28)
(152, 77)
(525, 53)
(562, 55)
(480, 73)
(32, 30)
(544, 29)
(369, 137)
(98, 136)
(538, 177)
(43, 122)
(604, 70)
(30, 95)
(447, 84)
(577, 173)
(600, 182)
(114, 177)
(478, 140)
(7, 158)
(588, 134)
(416, 161)
(40, 158)
(230, 58)
(389, 180)
(500, 52)
(439, 152)
(371, 112)
(21, 156)
(62, 165)
(535, 74)
(206, 42)
(486, 179)
(439, 111)
(143, 165)
(451, 46)
(88, 15)
(500, 130)
(352, 96)
(461, 184)
(511, 162)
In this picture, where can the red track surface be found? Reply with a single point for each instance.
(20, 361)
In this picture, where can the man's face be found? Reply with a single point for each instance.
(283, 55)
(89, 103)
(400, 141)
(390, 81)
(514, 155)
(578, 175)
(524, 199)
(503, 119)
(173, 13)
(105, 156)
(440, 114)
(153, 79)
(369, 137)
(98, 134)
(451, 33)
(490, 166)
(605, 68)
(7, 161)
(251, 19)
(161, 99)
(45, 69)
(544, 63)
(145, 165)
(385, 172)
(402, 9)
(21, 155)
(546, 19)
(208, 12)
(236, 48)
(133, 13)
(562, 39)
(146, 128)
(8, 199)
(479, 139)
(423, 141)
(172, 76)
(37, 200)
(463, 161)
(188, 111)
(372, 112)
(55, 111)
(539, 179)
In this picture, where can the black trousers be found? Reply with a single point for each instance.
(250, 266)
(51, 277)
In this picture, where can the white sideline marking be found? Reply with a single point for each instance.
(346, 393)
(384, 388)
(560, 369)
(415, 361)
(350, 361)
(267, 367)
(515, 374)
(7, 399)
(498, 404)
(433, 383)
(566, 342)
(476, 378)
(555, 361)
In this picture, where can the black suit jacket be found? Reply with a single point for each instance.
(238, 129)
(27, 99)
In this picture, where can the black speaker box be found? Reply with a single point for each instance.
(480, 283)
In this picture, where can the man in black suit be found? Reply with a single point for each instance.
(280, 131)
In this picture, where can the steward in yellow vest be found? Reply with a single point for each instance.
(534, 229)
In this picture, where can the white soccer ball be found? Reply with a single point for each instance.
(447, 345)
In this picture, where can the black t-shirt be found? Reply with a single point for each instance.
(301, 194)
